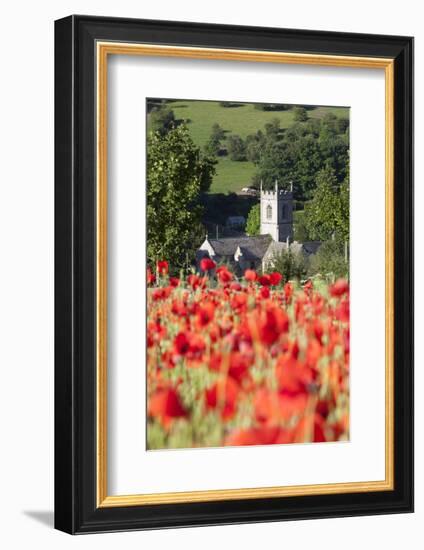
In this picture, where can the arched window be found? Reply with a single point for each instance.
(269, 212)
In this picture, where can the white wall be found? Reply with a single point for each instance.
(26, 274)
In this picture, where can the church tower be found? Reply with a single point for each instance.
(277, 213)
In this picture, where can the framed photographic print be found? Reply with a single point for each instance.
(234, 274)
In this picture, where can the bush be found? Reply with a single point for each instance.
(253, 224)
(300, 231)
(236, 148)
(161, 120)
(291, 265)
(329, 261)
(300, 114)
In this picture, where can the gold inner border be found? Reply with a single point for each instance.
(104, 49)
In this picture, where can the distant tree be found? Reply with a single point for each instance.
(342, 124)
(343, 214)
(330, 261)
(236, 148)
(272, 128)
(291, 265)
(177, 174)
(253, 224)
(218, 132)
(300, 231)
(327, 214)
(254, 146)
(161, 120)
(300, 114)
(213, 146)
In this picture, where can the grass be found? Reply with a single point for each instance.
(243, 120)
(231, 176)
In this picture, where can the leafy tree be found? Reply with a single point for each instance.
(298, 154)
(327, 215)
(321, 212)
(161, 120)
(272, 129)
(236, 148)
(218, 132)
(330, 261)
(253, 223)
(291, 265)
(213, 146)
(343, 214)
(254, 145)
(177, 174)
(300, 231)
(300, 114)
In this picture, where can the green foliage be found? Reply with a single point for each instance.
(213, 146)
(330, 261)
(244, 119)
(327, 214)
(254, 145)
(253, 224)
(272, 129)
(218, 133)
(177, 174)
(291, 265)
(300, 114)
(161, 120)
(299, 152)
(236, 148)
(300, 231)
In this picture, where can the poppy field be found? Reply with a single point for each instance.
(253, 360)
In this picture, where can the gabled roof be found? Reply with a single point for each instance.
(251, 247)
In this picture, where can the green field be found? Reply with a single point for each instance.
(242, 119)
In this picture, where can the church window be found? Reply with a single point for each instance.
(269, 212)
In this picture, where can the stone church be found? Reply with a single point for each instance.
(276, 235)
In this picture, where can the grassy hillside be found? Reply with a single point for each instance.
(241, 119)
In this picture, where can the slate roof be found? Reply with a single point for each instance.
(251, 247)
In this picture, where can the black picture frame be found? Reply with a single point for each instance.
(76, 510)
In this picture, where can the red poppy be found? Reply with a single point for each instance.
(239, 366)
(275, 278)
(161, 293)
(194, 281)
(250, 275)
(264, 292)
(340, 287)
(189, 345)
(293, 377)
(239, 301)
(205, 314)
(288, 292)
(174, 281)
(307, 287)
(162, 267)
(151, 277)
(224, 275)
(165, 405)
(223, 397)
(263, 435)
(265, 280)
(206, 264)
(310, 428)
(272, 324)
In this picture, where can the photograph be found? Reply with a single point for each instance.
(247, 285)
